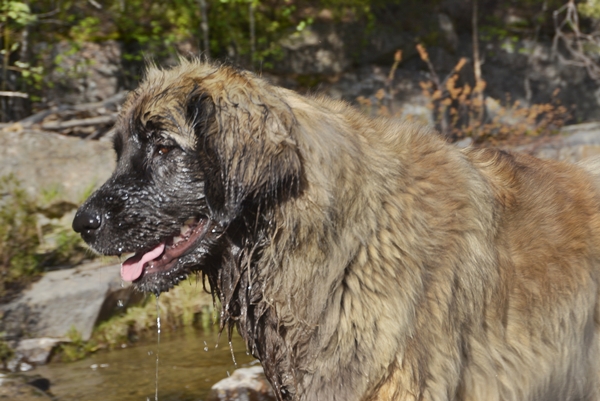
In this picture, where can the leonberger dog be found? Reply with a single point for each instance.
(359, 258)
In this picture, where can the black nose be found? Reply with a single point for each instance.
(86, 220)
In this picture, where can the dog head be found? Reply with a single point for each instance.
(200, 148)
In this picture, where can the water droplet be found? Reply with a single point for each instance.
(232, 354)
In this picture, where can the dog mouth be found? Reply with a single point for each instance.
(164, 256)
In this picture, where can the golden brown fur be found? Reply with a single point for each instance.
(402, 268)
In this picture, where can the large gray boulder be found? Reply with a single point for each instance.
(65, 299)
(43, 160)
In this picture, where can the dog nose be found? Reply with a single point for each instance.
(86, 220)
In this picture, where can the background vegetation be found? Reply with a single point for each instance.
(33, 34)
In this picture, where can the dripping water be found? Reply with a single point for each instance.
(157, 349)
(232, 354)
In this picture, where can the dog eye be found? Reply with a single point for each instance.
(162, 150)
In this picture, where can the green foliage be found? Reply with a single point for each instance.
(77, 348)
(18, 235)
(16, 12)
(590, 8)
(15, 16)
(6, 352)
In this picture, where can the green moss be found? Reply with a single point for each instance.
(77, 348)
(185, 305)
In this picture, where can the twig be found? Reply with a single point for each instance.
(574, 42)
(477, 63)
(80, 122)
(113, 100)
(251, 7)
(95, 4)
(13, 94)
(390, 79)
(39, 116)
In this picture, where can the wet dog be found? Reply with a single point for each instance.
(360, 259)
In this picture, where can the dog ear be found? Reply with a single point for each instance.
(248, 153)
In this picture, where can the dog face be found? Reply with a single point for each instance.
(198, 147)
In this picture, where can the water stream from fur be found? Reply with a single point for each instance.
(157, 349)
(232, 354)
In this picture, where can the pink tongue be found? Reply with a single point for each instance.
(132, 268)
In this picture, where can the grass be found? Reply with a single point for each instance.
(461, 110)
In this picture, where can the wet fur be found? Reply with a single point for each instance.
(367, 259)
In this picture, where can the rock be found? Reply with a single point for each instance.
(87, 74)
(16, 387)
(315, 50)
(245, 384)
(448, 31)
(29, 352)
(578, 142)
(70, 167)
(61, 300)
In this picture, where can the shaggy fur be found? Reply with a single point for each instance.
(360, 259)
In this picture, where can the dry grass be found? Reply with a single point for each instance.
(462, 110)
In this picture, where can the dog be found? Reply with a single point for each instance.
(359, 258)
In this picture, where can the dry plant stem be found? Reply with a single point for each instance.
(477, 68)
(6, 39)
(390, 78)
(574, 41)
(251, 7)
(444, 126)
(441, 87)
(204, 27)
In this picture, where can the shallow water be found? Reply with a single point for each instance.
(189, 366)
